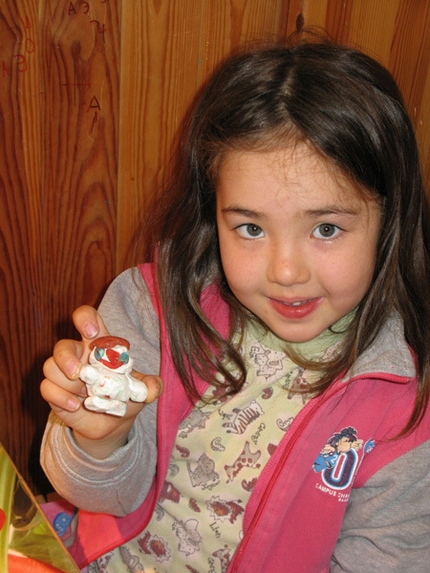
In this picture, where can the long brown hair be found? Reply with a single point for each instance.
(348, 107)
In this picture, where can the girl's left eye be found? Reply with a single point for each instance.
(326, 231)
(250, 231)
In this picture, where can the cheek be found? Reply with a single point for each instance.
(351, 279)
(238, 270)
(228, 252)
(228, 262)
(237, 274)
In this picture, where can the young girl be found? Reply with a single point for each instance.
(286, 312)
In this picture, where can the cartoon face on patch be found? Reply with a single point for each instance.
(338, 460)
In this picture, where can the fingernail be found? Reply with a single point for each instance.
(73, 404)
(72, 370)
(90, 329)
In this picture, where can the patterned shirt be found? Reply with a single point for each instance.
(220, 451)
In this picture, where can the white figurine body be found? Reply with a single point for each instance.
(108, 377)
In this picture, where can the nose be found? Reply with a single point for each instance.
(287, 265)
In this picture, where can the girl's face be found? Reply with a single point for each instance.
(297, 241)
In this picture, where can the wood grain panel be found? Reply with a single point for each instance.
(158, 59)
(410, 64)
(80, 111)
(20, 223)
(228, 25)
(58, 190)
(168, 51)
(423, 131)
(397, 33)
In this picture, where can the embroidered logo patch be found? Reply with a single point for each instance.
(339, 460)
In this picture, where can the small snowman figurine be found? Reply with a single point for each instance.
(108, 377)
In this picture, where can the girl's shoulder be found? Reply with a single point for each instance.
(216, 309)
(128, 311)
(389, 353)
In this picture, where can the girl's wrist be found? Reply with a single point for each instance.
(99, 449)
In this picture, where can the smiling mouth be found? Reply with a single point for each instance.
(296, 309)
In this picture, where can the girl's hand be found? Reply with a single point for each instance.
(97, 434)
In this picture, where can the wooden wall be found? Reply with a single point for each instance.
(91, 97)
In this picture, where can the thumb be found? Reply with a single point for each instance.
(89, 323)
(153, 383)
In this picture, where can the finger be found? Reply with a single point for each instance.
(68, 356)
(155, 388)
(55, 375)
(89, 323)
(153, 383)
(59, 398)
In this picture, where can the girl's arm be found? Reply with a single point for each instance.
(387, 521)
(89, 463)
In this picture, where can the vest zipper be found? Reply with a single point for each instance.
(314, 404)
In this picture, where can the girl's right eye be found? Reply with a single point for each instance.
(250, 231)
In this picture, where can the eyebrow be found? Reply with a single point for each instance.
(331, 210)
(235, 210)
(327, 210)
